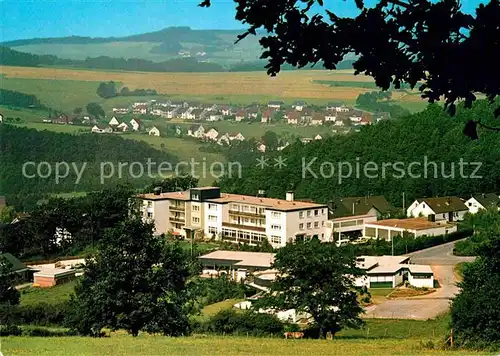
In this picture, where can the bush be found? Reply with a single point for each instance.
(40, 314)
(36, 331)
(241, 323)
(10, 330)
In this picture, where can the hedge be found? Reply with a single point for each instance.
(42, 314)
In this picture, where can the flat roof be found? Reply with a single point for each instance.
(408, 224)
(242, 258)
(165, 196)
(54, 272)
(353, 217)
(379, 261)
(270, 203)
(420, 269)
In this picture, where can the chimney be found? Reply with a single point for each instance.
(289, 196)
(157, 191)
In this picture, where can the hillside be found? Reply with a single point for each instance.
(320, 169)
(216, 46)
(88, 157)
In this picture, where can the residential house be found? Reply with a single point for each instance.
(299, 105)
(63, 119)
(340, 122)
(375, 205)
(365, 120)
(140, 110)
(292, 118)
(236, 136)
(306, 116)
(382, 116)
(305, 140)
(283, 146)
(101, 129)
(240, 115)
(318, 119)
(356, 117)
(188, 114)
(113, 122)
(483, 201)
(139, 104)
(318, 137)
(122, 127)
(215, 116)
(198, 114)
(181, 112)
(266, 116)
(178, 131)
(330, 116)
(261, 147)
(159, 111)
(212, 134)
(234, 218)
(172, 111)
(347, 227)
(253, 111)
(275, 104)
(196, 131)
(223, 139)
(120, 111)
(225, 110)
(154, 131)
(438, 209)
(136, 124)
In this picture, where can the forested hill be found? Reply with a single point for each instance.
(19, 145)
(431, 133)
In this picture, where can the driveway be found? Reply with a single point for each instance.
(442, 261)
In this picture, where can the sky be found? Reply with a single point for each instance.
(104, 18)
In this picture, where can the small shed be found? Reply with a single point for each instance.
(53, 276)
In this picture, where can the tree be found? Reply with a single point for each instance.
(316, 278)
(95, 109)
(8, 293)
(397, 41)
(106, 90)
(77, 111)
(136, 281)
(7, 214)
(271, 140)
(475, 310)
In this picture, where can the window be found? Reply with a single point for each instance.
(245, 208)
(212, 230)
(276, 214)
(195, 196)
(262, 211)
(212, 206)
(276, 227)
(212, 218)
(247, 220)
(196, 220)
(301, 226)
(301, 214)
(150, 204)
(308, 225)
(316, 224)
(150, 215)
(275, 239)
(323, 211)
(235, 207)
(316, 212)
(196, 208)
(322, 223)
(309, 213)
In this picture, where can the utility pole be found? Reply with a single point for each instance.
(404, 202)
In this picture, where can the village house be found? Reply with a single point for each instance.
(215, 116)
(140, 110)
(292, 118)
(382, 116)
(120, 111)
(483, 201)
(266, 116)
(236, 136)
(212, 134)
(122, 127)
(171, 111)
(261, 147)
(198, 114)
(299, 105)
(181, 112)
(196, 131)
(438, 209)
(337, 107)
(365, 120)
(101, 129)
(159, 111)
(113, 122)
(225, 110)
(253, 112)
(240, 115)
(62, 119)
(136, 124)
(318, 119)
(154, 131)
(306, 116)
(283, 146)
(330, 117)
(413, 227)
(375, 205)
(224, 139)
(318, 137)
(139, 103)
(339, 122)
(355, 117)
(275, 104)
(188, 114)
(305, 140)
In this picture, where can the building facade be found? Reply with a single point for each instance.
(236, 218)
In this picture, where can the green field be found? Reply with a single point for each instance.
(53, 295)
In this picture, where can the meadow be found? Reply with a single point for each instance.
(70, 88)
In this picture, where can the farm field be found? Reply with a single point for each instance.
(69, 88)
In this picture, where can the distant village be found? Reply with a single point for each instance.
(340, 117)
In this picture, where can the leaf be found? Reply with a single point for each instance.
(497, 112)
(470, 130)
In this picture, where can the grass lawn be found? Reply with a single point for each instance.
(40, 126)
(53, 295)
(121, 344)
(26, 115)
(212, 309)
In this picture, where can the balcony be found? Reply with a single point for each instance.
(177, 219)
(247, 213)
(244, 227)
(177, 208)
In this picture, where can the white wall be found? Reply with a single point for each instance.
(421, 209)
(419, 282)
(294, 219)
(212, 209)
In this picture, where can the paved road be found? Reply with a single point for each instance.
(442, 262)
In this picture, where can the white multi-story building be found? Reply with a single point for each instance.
(205, 211)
